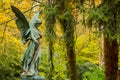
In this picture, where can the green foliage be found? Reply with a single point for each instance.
(87, 49)
(59, 72)
(10, 53)
(96, 74)
(96, 16)
(105, 18)
(90, 71)
(50, 21)
(10, 68)
(83, 68)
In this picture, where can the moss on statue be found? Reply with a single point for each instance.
(35, 77)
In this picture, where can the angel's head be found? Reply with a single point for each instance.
(35, 21)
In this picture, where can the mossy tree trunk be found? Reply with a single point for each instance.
(68, 24)
(51, 59)
(50, 34)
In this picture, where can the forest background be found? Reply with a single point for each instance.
(81, 44)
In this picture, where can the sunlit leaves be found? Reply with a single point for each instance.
(97, 2)
(3, 17)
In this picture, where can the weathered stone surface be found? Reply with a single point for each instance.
(36, 77)
(31, 35)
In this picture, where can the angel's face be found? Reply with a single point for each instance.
(37, 23)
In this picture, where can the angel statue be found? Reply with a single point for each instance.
(31, 35)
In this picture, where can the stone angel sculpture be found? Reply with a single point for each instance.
(31, 35)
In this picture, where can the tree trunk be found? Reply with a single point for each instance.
(50, 35)
(71, 62)
(71, 56)
(51, 59)
(111, 58)
(118, 74)
(68, 25)
(101, 51)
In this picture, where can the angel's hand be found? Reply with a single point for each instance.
(29, 38)
(24, 41)
(35, 40)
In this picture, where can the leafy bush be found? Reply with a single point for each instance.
(9, 68)
(85, 67)
(89, 71)
(96, 74)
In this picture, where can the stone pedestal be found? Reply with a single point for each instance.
(35, 77)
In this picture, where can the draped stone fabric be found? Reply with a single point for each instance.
(31, 56)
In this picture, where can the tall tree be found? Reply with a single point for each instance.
(67, 21)
(50, 33)
(111, 45)
(106, 17)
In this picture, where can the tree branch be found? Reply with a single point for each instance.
(23, 12)
(37, 1)
(4, 32)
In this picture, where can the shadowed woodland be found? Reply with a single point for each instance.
(80, 39)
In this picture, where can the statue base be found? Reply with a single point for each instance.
(35, 77)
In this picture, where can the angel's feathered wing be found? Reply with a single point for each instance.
(21, 21)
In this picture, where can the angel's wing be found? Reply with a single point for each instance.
(21, 21)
